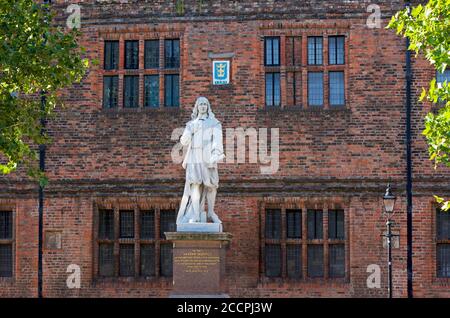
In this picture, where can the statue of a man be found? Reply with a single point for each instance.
(203, 139)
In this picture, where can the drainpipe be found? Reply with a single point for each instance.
(409, 215)
(42, 149)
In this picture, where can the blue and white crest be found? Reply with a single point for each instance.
(221, 72)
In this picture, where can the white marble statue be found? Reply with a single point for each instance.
(203, 139)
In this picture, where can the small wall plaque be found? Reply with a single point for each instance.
(221, 72)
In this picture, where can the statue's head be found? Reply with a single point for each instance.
(201, 104)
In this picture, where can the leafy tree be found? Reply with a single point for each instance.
(428, 28)
(36, 57)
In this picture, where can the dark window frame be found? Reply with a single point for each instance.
(270, 39)
(315, 44)
(304, 242)
(442, 241)
(113, 97)
(343, 89)
(135, 89)
(176, 60)
(10, 241)
(134, 63)
(148, 59)
(137, 241)
(172, 91)
(272, 101)
(112, 63)
(310, 105)
(335, 53)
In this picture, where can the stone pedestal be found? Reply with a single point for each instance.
(198, 263)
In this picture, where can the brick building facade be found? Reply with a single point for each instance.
(334, 87)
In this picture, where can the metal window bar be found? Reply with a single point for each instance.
(110, 91)
(132, 54)
(111, 55)
(126, 260)
(126, 223)
(151, 54)
(272, 51)
(131, 91)
(273, 260)
(336, 224)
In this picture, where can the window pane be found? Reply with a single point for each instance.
(131, 91)
(166, 260)
(126, 267)
(168, 222)
(6, 231)
(147, 260)
(315, 224)
(336, 224)
(294, 223)
(6, 259)
(337, 260)
(276, 51)
(294, 261)
(443, 260)
(127, 224)
(315, 260)
(442, 77)
(336, 49)
(171, 90)
(131, 54)
(273, 224)
(276, 90)
(151, 53)
(273, 260)
(151, 91)
(147, 224)
(268, 53)
(315, 88)
(442, 225)
(172, 53)
(106, 259)
(269, 89)
(110, 91)
(337, 94)
(315, 50)
(111, 55)
(106, 224)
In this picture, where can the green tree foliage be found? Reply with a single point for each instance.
(35, 56)
(428, 28)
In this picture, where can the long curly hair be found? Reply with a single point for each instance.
(200, 99)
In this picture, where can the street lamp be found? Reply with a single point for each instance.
(389, 203)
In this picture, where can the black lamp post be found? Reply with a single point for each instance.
(389, 203)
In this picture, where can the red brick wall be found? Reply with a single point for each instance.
(325, 155)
